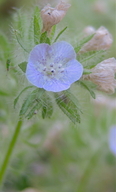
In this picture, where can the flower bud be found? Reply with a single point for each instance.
(52, 16)
(103, 75)
(100, 7)
(102, 40)
(89, 30)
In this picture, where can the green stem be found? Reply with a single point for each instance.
(9, 151)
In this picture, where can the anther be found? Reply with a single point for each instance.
(51, 65)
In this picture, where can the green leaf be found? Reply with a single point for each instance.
(28, 102)
(47, 109)
(53, 30)
(82, 42)
(68, 106)
(91, 59)
(33, 110)
(8, 64)
(31, 103)
(36, 25)
(88, 87)
(44, 112)
(3, 93)
(59, 34)
(4, 47)
(23, 66)
(86, 72)
(17, 98)
(74, 99)
(44, 38)
(20, 40)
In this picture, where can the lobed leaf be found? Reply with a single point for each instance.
(17, 98)
(47, 109)
(74, 99)
(31, 103)
(20, 40)
(37, 106)
(68, 106)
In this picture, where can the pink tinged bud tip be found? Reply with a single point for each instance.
(52, 16)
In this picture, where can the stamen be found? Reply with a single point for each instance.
(51, 65)
(59, 66)
(52, 71)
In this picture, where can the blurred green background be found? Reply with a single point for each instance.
(54, 155)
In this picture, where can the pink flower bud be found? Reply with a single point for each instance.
(102, 40)
(103, 75)
(89, 30)
(52, 16)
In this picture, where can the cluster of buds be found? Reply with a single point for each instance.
(102, 40)
(103, 75)
(51, 16)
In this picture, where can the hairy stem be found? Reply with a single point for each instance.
(9, 151)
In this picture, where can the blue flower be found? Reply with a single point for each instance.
(112, 139)
(53, 67)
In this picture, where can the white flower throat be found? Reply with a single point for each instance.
(51, 70)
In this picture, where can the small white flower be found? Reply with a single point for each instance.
(103, 75)
(51, 16)
(102, 40)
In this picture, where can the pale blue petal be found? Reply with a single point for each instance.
(112, 139)
(39, 54)
(62, 52)
(73, 71)
(55, 85)
(34, 76)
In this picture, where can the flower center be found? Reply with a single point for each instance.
(51, 70)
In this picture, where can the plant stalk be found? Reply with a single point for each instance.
(9, 152)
